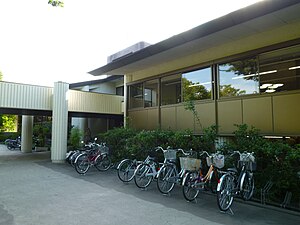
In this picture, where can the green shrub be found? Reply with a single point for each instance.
(76, 137)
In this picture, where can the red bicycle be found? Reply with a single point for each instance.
(98, 156)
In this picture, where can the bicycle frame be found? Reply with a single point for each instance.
(202, 180)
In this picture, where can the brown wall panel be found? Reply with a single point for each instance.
(138, 119)
(184, 119)
(168, 118)
(257, 112)
(229, 113)
(286, 110)
(206, 113)
(152, 119)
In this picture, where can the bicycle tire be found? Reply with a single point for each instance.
(82, 164)
(166, 179)
(213, 181)
(103, 162)
(225, 192)
(190, 193)
(126, 170)
(73, 158)
(247, 186)
(142, 179)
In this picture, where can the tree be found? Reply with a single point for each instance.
(194, 91)
(56, 3)
(1, 76)
(227, 90)
(8, 123)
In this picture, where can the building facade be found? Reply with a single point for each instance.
(242, 68)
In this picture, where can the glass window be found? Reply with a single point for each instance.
(150, 93)
(171, 89)
(120, 91)
(280, 70)
(136, 96)
(238, 78)
(197, 85)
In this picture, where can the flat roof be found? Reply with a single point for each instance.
(162, 51)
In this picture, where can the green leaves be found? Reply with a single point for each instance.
(56, 3)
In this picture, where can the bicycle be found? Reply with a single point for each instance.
(195, 181)
(168, 174)
(146, 171)
(98, 157)
(237, 182)
(126, 169)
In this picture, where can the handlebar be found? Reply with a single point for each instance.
(169, 148)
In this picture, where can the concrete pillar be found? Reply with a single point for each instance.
(125, 101)
(26, 135)
(59, 122)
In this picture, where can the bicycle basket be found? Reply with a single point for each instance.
(216, 160)
(170, 154)
(104, 149)
(190, 163)
(246, 157)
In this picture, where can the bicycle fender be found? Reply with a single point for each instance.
(220, 181)
(184, 178)
(78, 157)
(242, 181)
(160, 169)
(124, 160)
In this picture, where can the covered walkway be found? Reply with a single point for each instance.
(59, 102)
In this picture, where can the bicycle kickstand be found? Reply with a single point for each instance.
(229, 211)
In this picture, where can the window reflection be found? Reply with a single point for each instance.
(197, 85)
(136, 96)
(150, 93)
(171, 89)
(238, 78)
(280, 70)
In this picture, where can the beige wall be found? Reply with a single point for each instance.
(276, 114)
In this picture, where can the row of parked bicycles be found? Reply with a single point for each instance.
(91, 155)
(196, 173)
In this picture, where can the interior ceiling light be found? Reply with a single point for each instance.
(252, 75)
(270, 90)
(199, 84)
(274, 86)
(294, 68)
(267, 72)
(265, 86)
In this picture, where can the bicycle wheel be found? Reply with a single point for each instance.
(126, 170)
(143, 175)
(190, 192)
(213, 181)
(166, 179)
(247, 186)
(225, 192)
(82, 164)
(73, 158)
(103, 162)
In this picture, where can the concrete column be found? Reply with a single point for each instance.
(125, 101)
(26, 135)
(59, 122)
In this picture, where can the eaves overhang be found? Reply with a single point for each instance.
(246, 21)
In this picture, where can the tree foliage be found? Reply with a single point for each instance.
(227, 90)
(1, 76)
(56, 3)
(7, 123)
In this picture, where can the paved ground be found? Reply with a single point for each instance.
(34, 191)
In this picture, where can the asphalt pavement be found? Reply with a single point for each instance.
(34, 191)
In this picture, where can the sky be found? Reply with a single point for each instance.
(41, 44)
